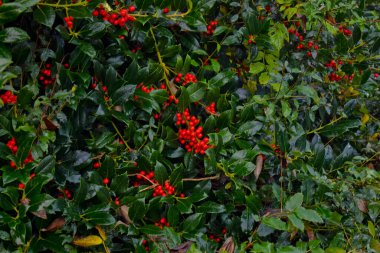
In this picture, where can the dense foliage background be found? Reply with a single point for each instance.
(189, 126)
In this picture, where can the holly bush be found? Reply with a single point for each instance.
(189, 126)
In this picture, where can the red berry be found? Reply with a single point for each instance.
(132, 8)
(165, 10)
(96, 165)
(32, 175)
(106, 181)
(21, 186)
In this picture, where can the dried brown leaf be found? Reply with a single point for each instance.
(228, 246)
(173, 89)
(362, 205)
(49, 124)
(182, 248)
(259, 165)
(310, 234)
(119, 222)
(54, 225)
(124, 213)
(40, 214)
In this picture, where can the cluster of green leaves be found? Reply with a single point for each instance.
(293, 159)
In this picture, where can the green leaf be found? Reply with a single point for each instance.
(220, 79)
(196, 92)
(123, 94)
(137, 210)
(309, 91)
(160, 172)
(46, 165)
(184, 205)
(81, 193)
(5, 58)
(192, 222)
(87, 49)
(335, 250)
(13, 35)
(339, 128)
(120, 183)
(275, 223)
(357, 34)
(210, 207)
(44, 15)
(296, 222)
(183, 100)
(308, 214)
(98, 217)
(286, 110)
(94, 30)
(278, 34)
(371, 229)
(264, 247)
(243, 168)
(215, 65)
(173, 215)
(294, 202)
(264, 78)
(256, 68)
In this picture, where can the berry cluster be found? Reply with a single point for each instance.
(142, 177)
(332, 64)
(211, 27)
(251, 39)
(29, 158)
(345, 31)
(8, 98)
(162, 223)
(165, 190)
(218, 238)
(11, 144)
(117, 19)
(211, 108)
(275, 148)
(69, 22)
(67, 194)
(45, 76)
(105, 90)
(145, 244)
(192, 136)
(171, 100)
(187, 79)
(117, 202)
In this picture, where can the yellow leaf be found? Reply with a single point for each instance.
(88, 241)
(365, 118)
(101, 233)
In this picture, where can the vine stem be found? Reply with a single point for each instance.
(183, 180)
(121, 136)
(58, 5)
(200, 179)
(329, 124)
(162, 63)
